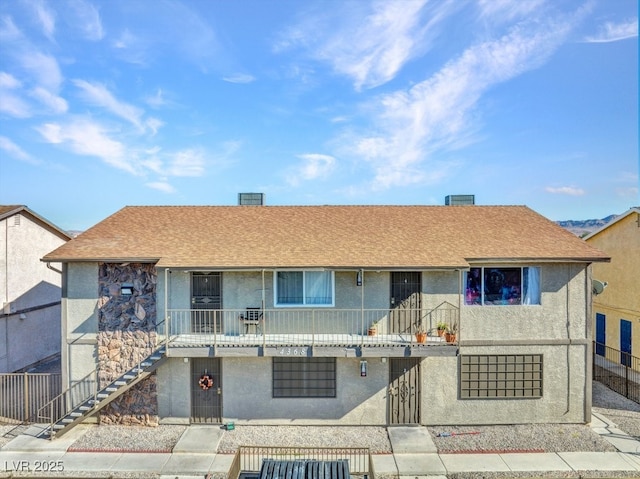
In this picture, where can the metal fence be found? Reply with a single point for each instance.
(617, 370)
(249, 458)
(22, 394)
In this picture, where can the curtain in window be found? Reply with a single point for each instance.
(290, 287)
(531, 286)
(317, 287)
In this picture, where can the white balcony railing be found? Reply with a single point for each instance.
(309, 327)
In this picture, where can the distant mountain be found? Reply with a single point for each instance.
(584, 227)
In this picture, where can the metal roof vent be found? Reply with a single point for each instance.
(255, 199)
(453, 200)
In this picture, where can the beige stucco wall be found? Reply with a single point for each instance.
(26, 282)
(621, 298)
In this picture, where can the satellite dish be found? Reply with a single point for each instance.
(598, 286)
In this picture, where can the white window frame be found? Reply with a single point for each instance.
(304, 292)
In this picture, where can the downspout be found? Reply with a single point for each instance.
(166, 309)
(588, 386)
(568, 326)
(52, 268)
(264, 322)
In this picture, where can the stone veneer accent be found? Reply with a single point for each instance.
(126, 335)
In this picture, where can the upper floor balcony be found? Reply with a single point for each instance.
(421, 331)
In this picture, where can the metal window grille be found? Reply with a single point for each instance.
(506, 376)
(304, 377)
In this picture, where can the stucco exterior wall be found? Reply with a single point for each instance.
(174, 399)
(562, 313)
(25, 283)
(621, 298)
(563, 400)
(80, 322)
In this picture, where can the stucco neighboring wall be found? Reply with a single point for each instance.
(27, 283)
(621, 298)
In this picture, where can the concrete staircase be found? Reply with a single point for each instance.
(99, 399)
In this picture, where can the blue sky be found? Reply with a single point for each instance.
(111, 103)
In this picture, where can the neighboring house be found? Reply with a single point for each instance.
(307, 314)
(29, 289)
(617, 309)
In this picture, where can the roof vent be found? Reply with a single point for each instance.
(255, 199)
(454, 200)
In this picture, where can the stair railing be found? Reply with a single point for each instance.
(79, 393)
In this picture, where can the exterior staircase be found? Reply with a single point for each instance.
(83, 399)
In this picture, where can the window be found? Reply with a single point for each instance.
(304, 377)
(498, 286)
(501, 376)
(304, 288)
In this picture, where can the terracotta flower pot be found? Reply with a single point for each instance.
(421, 337)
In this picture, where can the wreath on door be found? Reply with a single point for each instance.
(205, 382)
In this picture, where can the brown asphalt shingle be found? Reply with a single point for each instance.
(325, 236)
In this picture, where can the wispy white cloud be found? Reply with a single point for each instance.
(86, 17)
(8, 81)
(44, 68)
(85, 137)
(507, 10)
(565, 190)
(156, 101)
(45, 17)
(613, 32)
(15, 151)
(239, 78)
(54, 103)
(438, 114)
(98, 95)
(13, 105)
(188, 162)
(162, 186)
(371, 44)
(314, 166)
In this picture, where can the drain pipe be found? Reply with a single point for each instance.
(52, 268)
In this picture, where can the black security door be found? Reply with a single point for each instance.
(404, 391)
(206, 301)
(206, 391)
(405, 300)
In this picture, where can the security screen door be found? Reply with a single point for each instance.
(206, 404)
(405, 301)
(404, 391)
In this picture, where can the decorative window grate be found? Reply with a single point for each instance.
(507, 376)
(304, 377)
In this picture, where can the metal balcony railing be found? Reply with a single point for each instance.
(310, 327)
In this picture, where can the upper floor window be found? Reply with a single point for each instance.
(498, 286)
(304, 288)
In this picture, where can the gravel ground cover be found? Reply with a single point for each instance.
(129, 439)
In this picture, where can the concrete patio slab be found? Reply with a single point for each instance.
(90, 461)
(597, 461)
(547, 461)
(221, 462)
(199, 439)
(474, 462)
(384, 464)
(141, 462)
(411, 440)
(188, 464)
(419, 464)
(29, 441)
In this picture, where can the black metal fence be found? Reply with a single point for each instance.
(617, 370)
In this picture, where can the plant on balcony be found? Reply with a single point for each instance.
(441, 328)
(373, 330)
(421, 334)
(451, 334)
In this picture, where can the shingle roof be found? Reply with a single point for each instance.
(7, 211)
(228, 237)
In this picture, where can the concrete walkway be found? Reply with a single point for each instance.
(414, 454)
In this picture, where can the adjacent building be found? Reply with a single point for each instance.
(29, 289)
(617, 309)
(311, 315)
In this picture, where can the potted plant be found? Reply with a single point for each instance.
(451, 334)
(373, 330)
(421, 335)
(441, 328)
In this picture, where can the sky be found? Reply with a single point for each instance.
(105, 104)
